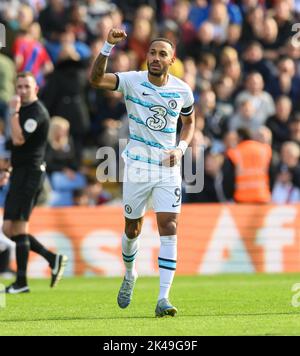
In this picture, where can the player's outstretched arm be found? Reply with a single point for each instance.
(98, 77)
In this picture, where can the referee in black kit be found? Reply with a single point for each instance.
(29, 121)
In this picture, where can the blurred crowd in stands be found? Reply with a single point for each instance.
(241, 58)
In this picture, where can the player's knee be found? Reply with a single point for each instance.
(132, 231)
(168, 227)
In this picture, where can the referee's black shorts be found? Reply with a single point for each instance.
(25, 185)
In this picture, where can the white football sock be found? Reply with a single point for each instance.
(167, 264)
(129, 252)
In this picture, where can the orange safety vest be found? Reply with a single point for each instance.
(252, 161)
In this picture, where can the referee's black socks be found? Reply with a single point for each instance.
(38, 248)
(22, 253)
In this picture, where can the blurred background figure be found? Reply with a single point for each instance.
(279, 123)
(7, 78)
(284, 190)
(62, 165)
(30, 55)
(260, 99)
(246, 170)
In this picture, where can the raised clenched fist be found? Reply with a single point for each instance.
(115, 36)
(15, 103)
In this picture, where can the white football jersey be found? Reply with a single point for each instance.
(153, 113)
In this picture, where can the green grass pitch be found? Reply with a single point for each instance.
(209, 305)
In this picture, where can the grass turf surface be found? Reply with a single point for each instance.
(209, 305)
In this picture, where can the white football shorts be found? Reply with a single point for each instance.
(143, 188)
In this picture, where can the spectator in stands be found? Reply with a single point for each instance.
(233, 70)
(228, 55)
(205, 69)
(261, 100)
(140, 39)
(215, 121)
(284, 18)
(60, 156)
(62, 165)
(286, 82)
(212, 190)
(129, 8)
(96, 193)
(77, 17)
(230, 140)
(36, 32)
(80, 197)
(293, 52)
(30, 55)
(224, 90)
(180, 14)
(204, 42)
(53, 19)
(264, 135)
(25, 17)
(269, 39)
(279, 123)
(219, 18)
(202, 10)
(68, 48)
(246, 171)
(245, 117)
(234, 34)
(284, 189)
(248, 5)
(64, 94)
(254, 61)
(145, 12)
(253, 25)
(95, 10)
(117, 19)
(104, 24)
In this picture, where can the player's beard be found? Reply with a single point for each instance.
(156, 73)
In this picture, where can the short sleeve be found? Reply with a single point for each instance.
(123, 81)
(30, 126)
(32, 121)
(188, 106)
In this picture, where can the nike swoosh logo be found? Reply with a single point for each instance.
(175, 205)
(146, 94)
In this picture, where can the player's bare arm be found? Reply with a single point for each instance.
(98, 78)
(186, 135)
(16, 130)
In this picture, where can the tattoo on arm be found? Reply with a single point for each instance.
(99, 68)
